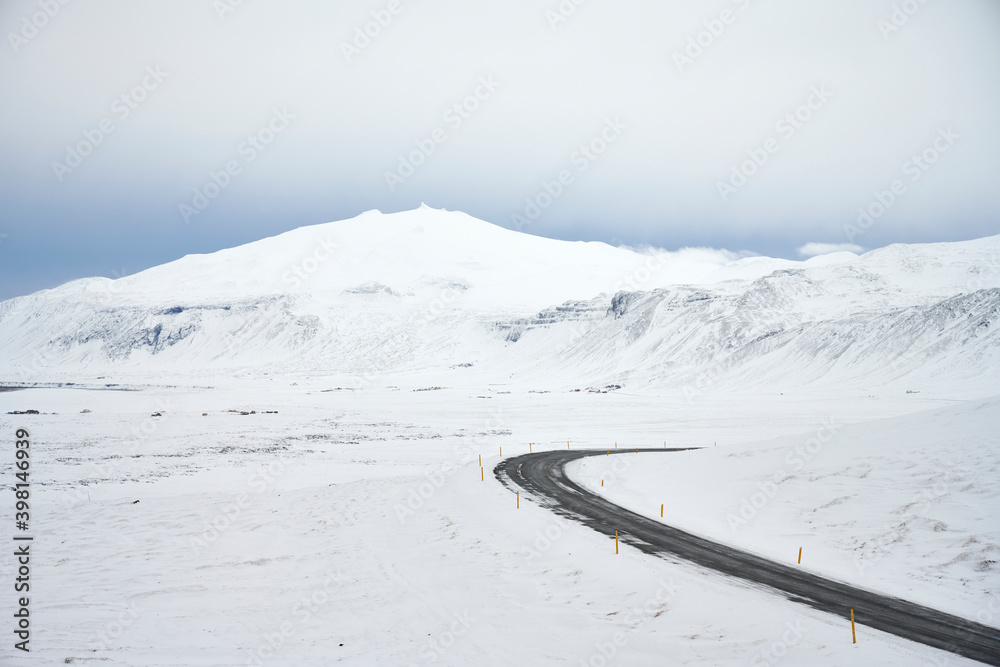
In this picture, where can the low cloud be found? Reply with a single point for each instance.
(814, 249)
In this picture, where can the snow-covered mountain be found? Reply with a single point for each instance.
(456, 298)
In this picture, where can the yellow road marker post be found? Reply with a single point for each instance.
(800, 555)
(854, 637)
(518, 500)
(661, 511)
(616, 541)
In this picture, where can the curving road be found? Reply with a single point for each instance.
(544, 476)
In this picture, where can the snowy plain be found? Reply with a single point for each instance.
(360, 518)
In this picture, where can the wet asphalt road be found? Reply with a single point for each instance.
(544, 476)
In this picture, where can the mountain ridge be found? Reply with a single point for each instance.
(430, 291)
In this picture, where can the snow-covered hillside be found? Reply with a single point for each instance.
(444, 293)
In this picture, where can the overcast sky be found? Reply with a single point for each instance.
(758, 125)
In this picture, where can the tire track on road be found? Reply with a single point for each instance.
(544, 475)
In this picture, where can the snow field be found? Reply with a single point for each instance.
(359, 518)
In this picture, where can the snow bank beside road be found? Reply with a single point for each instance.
(902, 506)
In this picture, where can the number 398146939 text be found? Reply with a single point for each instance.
(22, 541)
